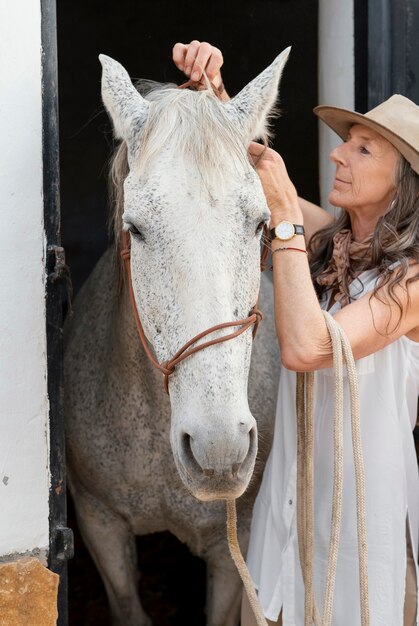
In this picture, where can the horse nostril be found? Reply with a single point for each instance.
(190, 457)
(187, 449)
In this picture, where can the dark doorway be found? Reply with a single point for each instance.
(141, 35)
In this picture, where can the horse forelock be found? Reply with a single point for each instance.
(195, 126)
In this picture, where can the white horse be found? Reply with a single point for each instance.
(140, 460)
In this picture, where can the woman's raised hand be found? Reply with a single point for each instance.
(279, 190)
(195, 57)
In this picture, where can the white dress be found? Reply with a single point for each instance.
(389, 388)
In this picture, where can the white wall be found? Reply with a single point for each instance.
(24, 456)
(336, 77)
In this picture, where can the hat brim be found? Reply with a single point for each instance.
(340, 121)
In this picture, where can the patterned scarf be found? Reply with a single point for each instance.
(350, 258)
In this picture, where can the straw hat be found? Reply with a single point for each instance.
(396, 119)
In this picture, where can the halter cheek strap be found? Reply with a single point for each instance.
(167, 368)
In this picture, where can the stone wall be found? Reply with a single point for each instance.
(28, 594)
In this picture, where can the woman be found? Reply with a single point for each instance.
(363, 268)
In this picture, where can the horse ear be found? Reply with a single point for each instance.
(126, 107)
(253, 104)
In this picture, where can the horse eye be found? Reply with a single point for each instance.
(260, 227)
(134, 230)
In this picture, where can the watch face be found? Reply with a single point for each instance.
(285, 230)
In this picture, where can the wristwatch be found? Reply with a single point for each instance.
(285, 231)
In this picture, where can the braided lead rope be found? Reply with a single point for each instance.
(337, 471)
(301, 467)
(240, 563)
(305, 508)
(309, 497)
(305, 513)
(359, 479)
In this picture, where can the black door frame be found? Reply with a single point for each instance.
(60, 537)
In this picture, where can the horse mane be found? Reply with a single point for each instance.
(195, 125)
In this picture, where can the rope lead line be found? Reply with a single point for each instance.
(359, 480)
(239, 561)
(305, 482)
(305, 490)
(337, 471)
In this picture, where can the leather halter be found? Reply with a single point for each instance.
(196, 85)
(254, 317)
(167, 368)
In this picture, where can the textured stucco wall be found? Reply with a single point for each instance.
(24, 466)
(336, 77)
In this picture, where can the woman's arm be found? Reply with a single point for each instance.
(314, 217)
(303, 337)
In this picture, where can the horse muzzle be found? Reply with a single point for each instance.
(217, 465)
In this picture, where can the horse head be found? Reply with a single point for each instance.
(195, 209)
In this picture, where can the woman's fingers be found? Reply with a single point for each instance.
(178, 55)
(255, 151)
(195, 57)
(214, 63)
(279, 191)
(191, 54)
(203, 55)
(259, 153)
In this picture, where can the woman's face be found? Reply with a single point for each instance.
(366, 167)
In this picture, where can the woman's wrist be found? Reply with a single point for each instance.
(298, 241)
(287, 249)
(286, 209)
